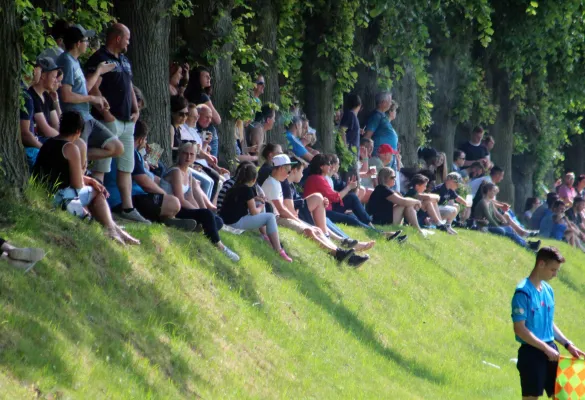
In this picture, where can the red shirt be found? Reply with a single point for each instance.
(318, 184)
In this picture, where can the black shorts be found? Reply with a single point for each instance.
(148, 205)
(537, 373)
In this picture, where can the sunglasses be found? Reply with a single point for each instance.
(260, 83)
(392, 177)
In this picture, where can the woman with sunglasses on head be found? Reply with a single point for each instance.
(199, 92)
(178, 181)
(179, 114)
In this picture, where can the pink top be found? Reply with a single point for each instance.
(566, 192)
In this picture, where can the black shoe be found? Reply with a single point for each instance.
(357, 260)
(533, 233)
(342, 255)
(443, 228)
(349, 243)
(393, 236)
(457, 224)
(402, 239)
(534, 245)
(188, 225)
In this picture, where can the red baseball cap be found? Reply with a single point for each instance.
(385, 149)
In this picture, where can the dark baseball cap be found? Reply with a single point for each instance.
(47, 64)
(76, 33)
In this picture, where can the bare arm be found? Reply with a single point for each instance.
(283, 211)
(308, 156)
(462, 201)
(252, 207)
(369, 134)
(68, 96)
(147, 184)
(54, 117)
(44, 127)
(215, 117)
(428, 197)
(27, 137)
(524, 333)
(73, 156)
(403, 201)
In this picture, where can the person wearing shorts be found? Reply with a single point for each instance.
(533, 307)
(121, 115)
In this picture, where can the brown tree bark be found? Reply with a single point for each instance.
(149, 23)
(406, 123)
(13, 169)
(366, 86)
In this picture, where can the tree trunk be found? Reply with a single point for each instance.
(13, 170)
(446, 79)
(406, 123)
(267, 21)
(319, 107)
(199, 38)
(367, 84)
(575, 154)
(503, 131)
(149, 24)
(523, 178)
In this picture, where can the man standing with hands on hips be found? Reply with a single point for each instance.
(120, 117)
(533, 308)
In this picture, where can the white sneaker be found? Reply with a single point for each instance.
(230, 254)
(135, 216)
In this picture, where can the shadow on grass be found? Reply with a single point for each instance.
(312, 288)
(86, 295)
(566, 279)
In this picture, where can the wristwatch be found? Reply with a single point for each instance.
(568, 344)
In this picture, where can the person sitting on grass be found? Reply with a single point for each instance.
(487, 215)
(241, 212)
(178, 181)
(289, 219)
(23, 258)
(362, 193)
(59, 166)
(448, 195)
(293, 133)
(532, 203)
(389, 207)
(575, 215)
(268, 151)
(563, 229)
(429, 212)
(543, 210)
(312, 211)
(148, 197)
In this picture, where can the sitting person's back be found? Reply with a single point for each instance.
(546, 224)
(540, 212)
(51, 166)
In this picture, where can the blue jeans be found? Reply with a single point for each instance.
(348, 219)
(305, 216)
(507, 232)
(353, 203)
(206, 182)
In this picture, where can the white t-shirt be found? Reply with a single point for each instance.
(476, 183)
(273, 191)
(188, 133)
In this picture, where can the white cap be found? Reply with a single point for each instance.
(282, 159)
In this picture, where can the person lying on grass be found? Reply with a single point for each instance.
(429, 212)
(289, 219)
(178, 181)
(59, 165)
(23, 258)
(486, 214)
(240, 210)
(389, 207)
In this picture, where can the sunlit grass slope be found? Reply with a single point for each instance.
(175, 319)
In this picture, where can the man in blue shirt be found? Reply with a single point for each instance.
(533, 307)
(293, 130)
(379, 127)
(546, 224)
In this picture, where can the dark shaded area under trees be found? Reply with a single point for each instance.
(512, 66)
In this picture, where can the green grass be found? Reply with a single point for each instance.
(174, 318)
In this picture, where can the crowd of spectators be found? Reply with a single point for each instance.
(85, 140)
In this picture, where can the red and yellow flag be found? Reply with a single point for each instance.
(570, 384)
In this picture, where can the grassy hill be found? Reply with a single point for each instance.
(175, 319)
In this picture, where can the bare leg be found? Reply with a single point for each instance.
(170, 207)
(448, 215)
(517, 228)
(432, 209)
(411, 218)
(274, 240)
(114, 148)
(317, 209)
(124, 181)
(101, 212)
(334, 235)
(398, 214)
(321, 239)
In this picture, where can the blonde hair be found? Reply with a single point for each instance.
(203, 107)
(385, 174)
(393, 106)
(185, 146)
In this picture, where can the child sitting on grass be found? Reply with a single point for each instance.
(429, 212)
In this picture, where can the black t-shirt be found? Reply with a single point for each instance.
(235, 204)
(44, 105)
(116, 85)
(411, 193)
(574, 217)
(289, 192)
(379, 207)
(472, 152)
(263, 173)
(51, 167)
(352, 133)
(445, 194)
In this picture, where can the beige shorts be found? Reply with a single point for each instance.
(297, 226)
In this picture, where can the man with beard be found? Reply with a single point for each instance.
(120, 118)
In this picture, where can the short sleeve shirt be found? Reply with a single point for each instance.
(566, 192)
(295, 145)
(546, 224)
(445, 194)
(273, 190)
(379, 207)
(138, 170)
(352, 125)
(27, 113)
(264, 172)
(116, 85)
(44, 105)
(384, 133)
(473, 152)
(536, 308)
(235, 204)
(73, 76)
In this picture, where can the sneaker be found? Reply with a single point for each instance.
(30, 254)
(342, 255)
(19, 264)
(442, 228)
(349, 243)
(135, 216)
(357, 260)
(533, 233)
(402, 239)
(230, 254)
(392, 236)
(285, 256)
(187, 225)
(458, 224)
(534, 245)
